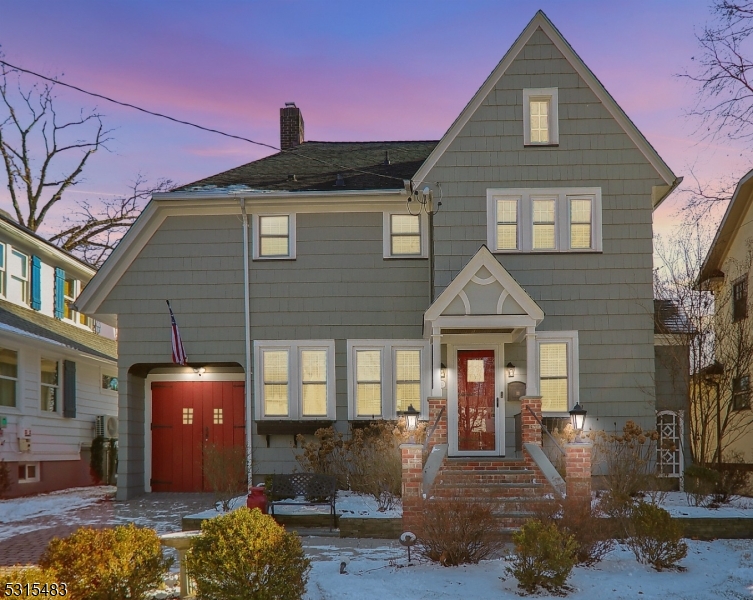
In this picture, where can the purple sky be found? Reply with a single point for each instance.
(382, 70)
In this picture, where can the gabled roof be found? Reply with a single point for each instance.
(316, 166)
(493, 272)
(730, 225)
(669, 319)
(541, 21)
(38, 325)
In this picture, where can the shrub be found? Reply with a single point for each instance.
(28, 575)
(544, 557)
(107, 564)
(458, 531)
(225, 470)
(627, 462)
(367, 463)
(654, 537)
(593, 533)
(700, 483)
(245, 555)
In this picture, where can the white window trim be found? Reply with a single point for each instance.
(550, 94)
(26, 296)
(19, 379)
(389, 382)
(3, 271)
(58, 387)
(295, 384)
(562, 197)
(573, 361)
(30, 479)
(423, 220)
(256, 245)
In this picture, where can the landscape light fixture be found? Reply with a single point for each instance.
(578, 419)
(199, 370)
(411, 418)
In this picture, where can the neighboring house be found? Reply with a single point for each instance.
(309, 292)
(727, 272)
(57, 375)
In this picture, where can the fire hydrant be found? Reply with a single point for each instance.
(257, 499)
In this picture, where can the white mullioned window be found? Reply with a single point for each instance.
(544, 220)
(385, 377)
(50, 381)
(295, 380)
(274, 236)
(8, 377)
(405, 235)
(540, 117)
(20, 275)
(3, 251)
(558, 370)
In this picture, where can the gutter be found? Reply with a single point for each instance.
(247, 338)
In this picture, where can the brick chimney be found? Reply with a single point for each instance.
(291, 126)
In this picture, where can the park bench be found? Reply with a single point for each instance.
(303, 489)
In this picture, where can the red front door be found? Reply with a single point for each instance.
(186, 416)
(476, 401)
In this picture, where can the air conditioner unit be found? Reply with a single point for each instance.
(106, 426)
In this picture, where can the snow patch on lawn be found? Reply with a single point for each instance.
(52, 504)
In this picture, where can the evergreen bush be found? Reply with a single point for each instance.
(654, 537)
(245, 555)
(544, 557)
(107, 564)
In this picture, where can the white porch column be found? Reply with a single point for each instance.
(436, 361)
(532, 363)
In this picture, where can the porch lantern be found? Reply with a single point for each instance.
(510, 370)
(411, 418)
(443, 375)
(578, 419)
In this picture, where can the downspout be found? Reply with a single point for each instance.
(247, 337)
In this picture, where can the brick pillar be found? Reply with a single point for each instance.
(412, 486)
(440, 433)
(578, 472)
(531, 428)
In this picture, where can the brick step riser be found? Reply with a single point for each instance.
(487, 479)
(455, 466)
(507, 507)
(489, 493)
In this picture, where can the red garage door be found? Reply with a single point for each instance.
(187, 415)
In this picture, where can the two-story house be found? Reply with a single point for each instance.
(326, 283)
(58, 367)
(726, 272)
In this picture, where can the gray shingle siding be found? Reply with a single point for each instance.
(607, 297)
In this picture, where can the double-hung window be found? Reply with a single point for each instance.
(405, 235)
(274, 236)
(740, 298)
(48, 393)
(386, 377)
(2, 269)
(69, 297)
(8, 377)
(20, 275)
(558, 370)
(741, 393)
(544, 220)
(295, 380)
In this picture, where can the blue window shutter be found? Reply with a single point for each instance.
(36, 283)
(59, 288)
(69, 389)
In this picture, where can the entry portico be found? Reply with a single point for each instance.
(482, 311)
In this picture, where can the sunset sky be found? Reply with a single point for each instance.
(386, 70)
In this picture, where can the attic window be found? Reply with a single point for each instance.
(540, 117)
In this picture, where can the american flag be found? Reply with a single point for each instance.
(179, 352)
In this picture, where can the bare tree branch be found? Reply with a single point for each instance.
(94, 230)
(43, 157)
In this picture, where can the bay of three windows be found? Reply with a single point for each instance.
(296, 380)
(544, 220)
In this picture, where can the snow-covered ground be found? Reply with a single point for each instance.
(677, 505)
(720, 569)
(54, 503)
